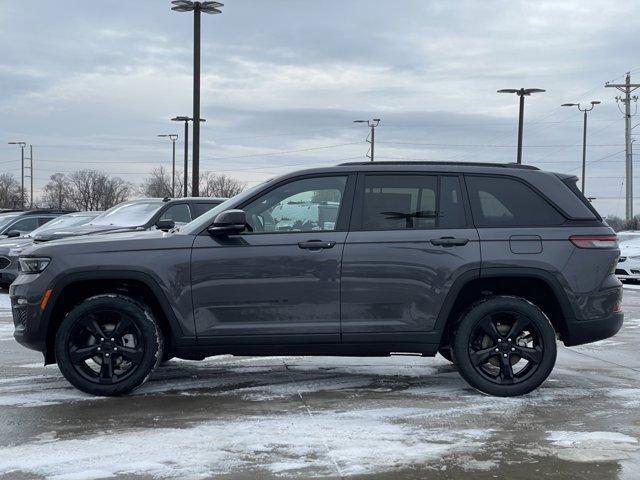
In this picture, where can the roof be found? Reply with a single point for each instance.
(435, 163)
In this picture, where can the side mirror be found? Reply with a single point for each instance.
(230, 222)
(165, 224)
(13, 234)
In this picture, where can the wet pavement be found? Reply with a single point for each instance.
(283, 417)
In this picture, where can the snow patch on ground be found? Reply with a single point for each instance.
(370, 441)
(5, 302)
(592, 446)
(6, 331)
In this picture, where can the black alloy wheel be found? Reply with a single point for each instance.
(505, 346)
(108, 345)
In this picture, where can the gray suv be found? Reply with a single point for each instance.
(487, 264)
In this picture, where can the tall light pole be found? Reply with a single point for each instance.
(584, 135)
(186, 121)
(173, 137)
(372, 124)
(21, 145)
(521, 92)
(211, 8)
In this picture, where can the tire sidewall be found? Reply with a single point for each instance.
(151, 339)
(466, 326)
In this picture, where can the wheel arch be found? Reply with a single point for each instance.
(538, 286)
(70, 290)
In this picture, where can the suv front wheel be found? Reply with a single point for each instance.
(108, 345)
(504, 346)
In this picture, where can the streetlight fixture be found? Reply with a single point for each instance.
(173, 137)
(211, 8)
(372, 124)
(584, 135)
(521, 92)
(186, 121)
(21, 145)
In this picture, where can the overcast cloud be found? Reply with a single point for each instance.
(91, 84)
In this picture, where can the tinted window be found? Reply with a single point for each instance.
(25, 225)
(305, 205)
(44, 220)
(451, 208)
(179, 213)
(508, 202)
(398, 202)
(201, 208)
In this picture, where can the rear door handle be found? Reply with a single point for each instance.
(449, 242)
(316, 245)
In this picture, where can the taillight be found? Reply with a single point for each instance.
(594, 241)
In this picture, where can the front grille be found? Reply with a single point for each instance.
(19, 316)
(619, 271)
(4, 262)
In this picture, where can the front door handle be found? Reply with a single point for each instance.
(449, 242)
(316, 245)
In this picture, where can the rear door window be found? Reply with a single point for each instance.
(401, 202)
(505, 202)
(200, 208)
(179, 213)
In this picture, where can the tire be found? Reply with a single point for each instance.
(108, 345)
(512, 357)
(445, 352)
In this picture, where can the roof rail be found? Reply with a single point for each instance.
(464, 164)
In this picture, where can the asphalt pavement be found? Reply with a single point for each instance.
(399, 417)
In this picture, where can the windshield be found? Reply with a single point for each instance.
(206, 219)
(64, 221)
(129, 214)
(6, 218)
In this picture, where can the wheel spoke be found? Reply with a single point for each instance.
(95, 329)
(490, 329)
(134, 355)
(480, 357)
(123, 325)
(533, 355)
(518, 326)
(79, 355)
(506, 372)
(106, 369)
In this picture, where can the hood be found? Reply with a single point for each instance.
(631, 249)
(7, 245)
(78, 246)
(80, 230)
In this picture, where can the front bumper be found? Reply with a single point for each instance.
(29, 328)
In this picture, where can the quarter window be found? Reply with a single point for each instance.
(307, 205)
(498, 202)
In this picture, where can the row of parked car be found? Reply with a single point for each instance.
(628, 267)
(20, 229)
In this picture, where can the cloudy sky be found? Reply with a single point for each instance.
(91, 84)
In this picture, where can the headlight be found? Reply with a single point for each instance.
(33, 264)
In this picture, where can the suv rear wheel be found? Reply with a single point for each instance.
(504, 346)
(108, 345)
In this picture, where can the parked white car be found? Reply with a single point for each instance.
(628, 267)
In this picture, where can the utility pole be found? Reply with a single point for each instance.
(627, 88)
(372, 136)
(21, 145)
(586, 110)
(30, 167)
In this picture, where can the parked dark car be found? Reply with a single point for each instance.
(11, 248)
(18, 223)
(142, 214)
(485, 263)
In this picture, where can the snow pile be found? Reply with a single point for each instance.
(370, 441)
(591, 446)
(5, 303)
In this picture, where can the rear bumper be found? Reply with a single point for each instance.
(587, 331)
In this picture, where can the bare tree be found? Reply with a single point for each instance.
(9, 191)
(157, 184)
(95, 190)
(57, 193)
(220, 185)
